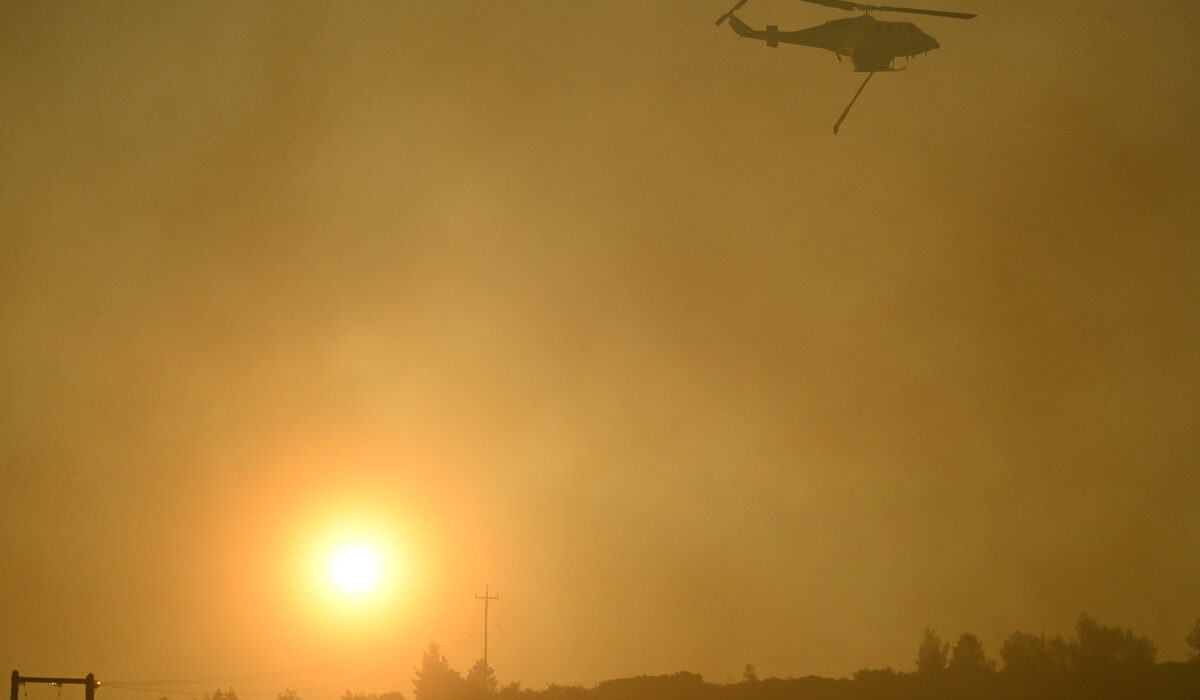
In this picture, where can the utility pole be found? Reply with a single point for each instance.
(486, 599)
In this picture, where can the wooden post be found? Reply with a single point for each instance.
(89, 683)
(486, 598)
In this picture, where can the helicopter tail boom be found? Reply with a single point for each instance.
(770, 35)
(741, 28)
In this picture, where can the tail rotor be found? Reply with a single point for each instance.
(735, 8)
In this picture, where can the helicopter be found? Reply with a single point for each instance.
(872, 45)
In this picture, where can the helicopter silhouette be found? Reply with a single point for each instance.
(872, 45)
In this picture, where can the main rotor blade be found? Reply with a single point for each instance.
(735, 8)
(915, 11)
(836, 3)
(842, 5)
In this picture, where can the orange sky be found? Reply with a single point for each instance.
(585, 302)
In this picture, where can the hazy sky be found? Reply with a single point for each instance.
(585, 302)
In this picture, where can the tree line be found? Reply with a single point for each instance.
(1098, 662)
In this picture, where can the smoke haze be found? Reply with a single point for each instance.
(585, 302)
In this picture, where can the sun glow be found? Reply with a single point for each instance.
(357, 568)
(348, 566)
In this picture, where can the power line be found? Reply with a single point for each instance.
(195, 693)
(223, 679)
(178, 686)
(160, 691)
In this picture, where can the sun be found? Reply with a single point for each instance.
(354, 569)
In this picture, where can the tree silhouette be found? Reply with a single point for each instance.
(218, 694)
(1193, 640)
(482, 677)
(968, 656)
(932, 654)
(1026, 654)
(435, 680)
(1099, 646)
